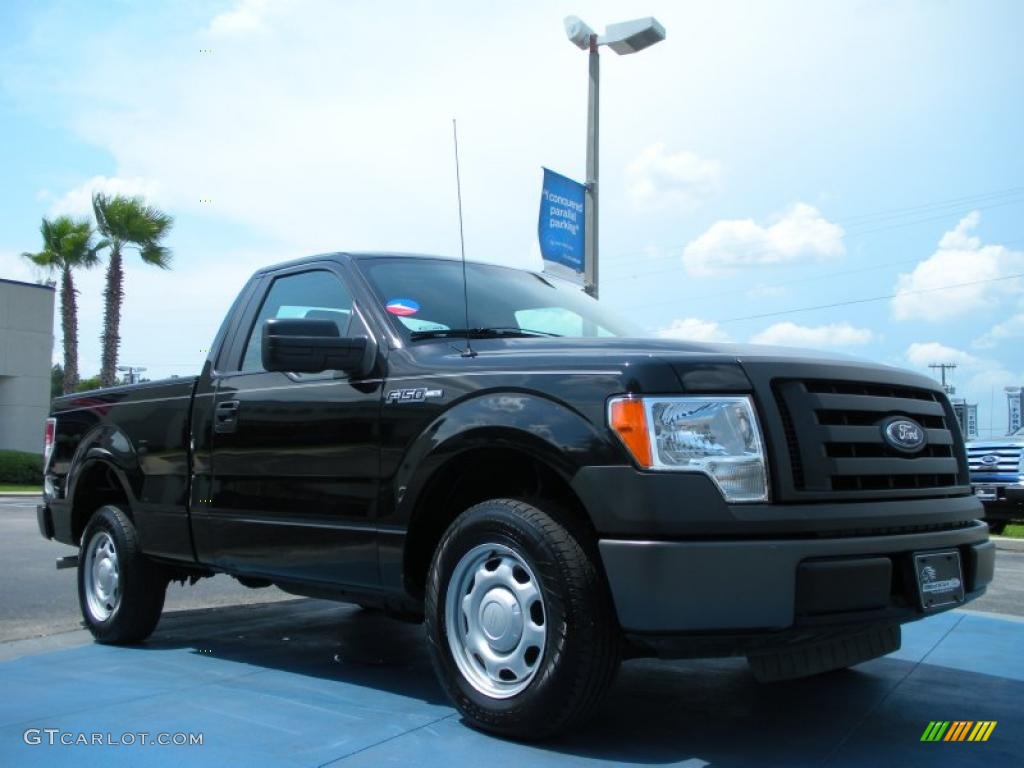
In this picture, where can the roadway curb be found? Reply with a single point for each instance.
(1008, 544)
(20, 495)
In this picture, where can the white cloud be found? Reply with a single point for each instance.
(959, 259)
(833, 335)
(78, 201)
(289, 136)
(800, 234)
(660, 179)
(245, 16)
(1008, 329)
(693, 329)
(921, 354)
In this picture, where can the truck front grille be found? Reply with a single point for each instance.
(1006, 459)
(834, 437)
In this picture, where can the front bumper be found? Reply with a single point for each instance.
(775, 584)
(1004, 502)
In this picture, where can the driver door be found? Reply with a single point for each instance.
(295, 457)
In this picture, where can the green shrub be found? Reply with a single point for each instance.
(20, 468)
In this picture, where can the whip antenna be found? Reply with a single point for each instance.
(468, 351)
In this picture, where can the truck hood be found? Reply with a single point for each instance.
(626, 350)
(997, 442)
(623, 348)
(691, 360)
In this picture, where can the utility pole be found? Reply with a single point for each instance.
(134, 372)
(949, 389)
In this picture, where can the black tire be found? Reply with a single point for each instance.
(582, 640)
(142, 586)
(996, 527)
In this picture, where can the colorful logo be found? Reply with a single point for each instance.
(958, 730)
(402, 307)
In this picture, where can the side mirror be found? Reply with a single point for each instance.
(302, 345)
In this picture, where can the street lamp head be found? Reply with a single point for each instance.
(578, 32)
(631, 36)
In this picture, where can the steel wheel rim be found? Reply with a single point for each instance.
(496, 620)
(102, 577)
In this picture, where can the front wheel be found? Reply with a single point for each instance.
(120, 590)
(520, 624)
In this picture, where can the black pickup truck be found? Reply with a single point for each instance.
(547, 491)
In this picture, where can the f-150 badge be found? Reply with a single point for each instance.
(416, 395)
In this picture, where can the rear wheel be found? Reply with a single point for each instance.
(120, 591)
(521, 628)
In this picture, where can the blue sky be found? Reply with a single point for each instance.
(766, 157)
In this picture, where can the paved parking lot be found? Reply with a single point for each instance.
(308, 683)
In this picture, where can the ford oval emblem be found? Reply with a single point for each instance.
(904, 435)
(989, 460)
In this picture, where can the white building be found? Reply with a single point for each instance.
(26, 348)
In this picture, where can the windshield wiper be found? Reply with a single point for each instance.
(480, 333)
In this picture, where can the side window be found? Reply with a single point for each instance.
(318, 294)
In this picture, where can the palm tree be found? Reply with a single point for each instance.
(67, 245)
(125, 222)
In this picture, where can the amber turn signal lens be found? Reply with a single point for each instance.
(629, 420)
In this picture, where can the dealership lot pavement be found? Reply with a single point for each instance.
(40, 600)
(307, 683)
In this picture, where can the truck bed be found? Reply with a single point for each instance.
(146, 428)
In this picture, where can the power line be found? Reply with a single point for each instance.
(961, 206)
(848, 235)
(954, 202)
(870, 299)
(944, 215)
(786, 283)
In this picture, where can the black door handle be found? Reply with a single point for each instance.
(226, 416)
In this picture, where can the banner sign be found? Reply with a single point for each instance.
(560, 228)
(1014, 406)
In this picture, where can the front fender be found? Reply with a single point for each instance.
(546, 429)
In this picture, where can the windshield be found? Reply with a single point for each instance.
(424, 297)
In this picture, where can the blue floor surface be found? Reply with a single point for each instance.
(308, 683)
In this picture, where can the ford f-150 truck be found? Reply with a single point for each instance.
(997, 474)
(548, 491)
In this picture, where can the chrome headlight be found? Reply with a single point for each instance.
(718, 436)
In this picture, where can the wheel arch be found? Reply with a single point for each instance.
(481, 470)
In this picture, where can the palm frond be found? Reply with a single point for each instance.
(100, 202)
(42, 259)
(157, 255)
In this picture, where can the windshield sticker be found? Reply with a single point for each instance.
(402, 307)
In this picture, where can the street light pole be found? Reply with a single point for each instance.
(624, 38)
(591, 274)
